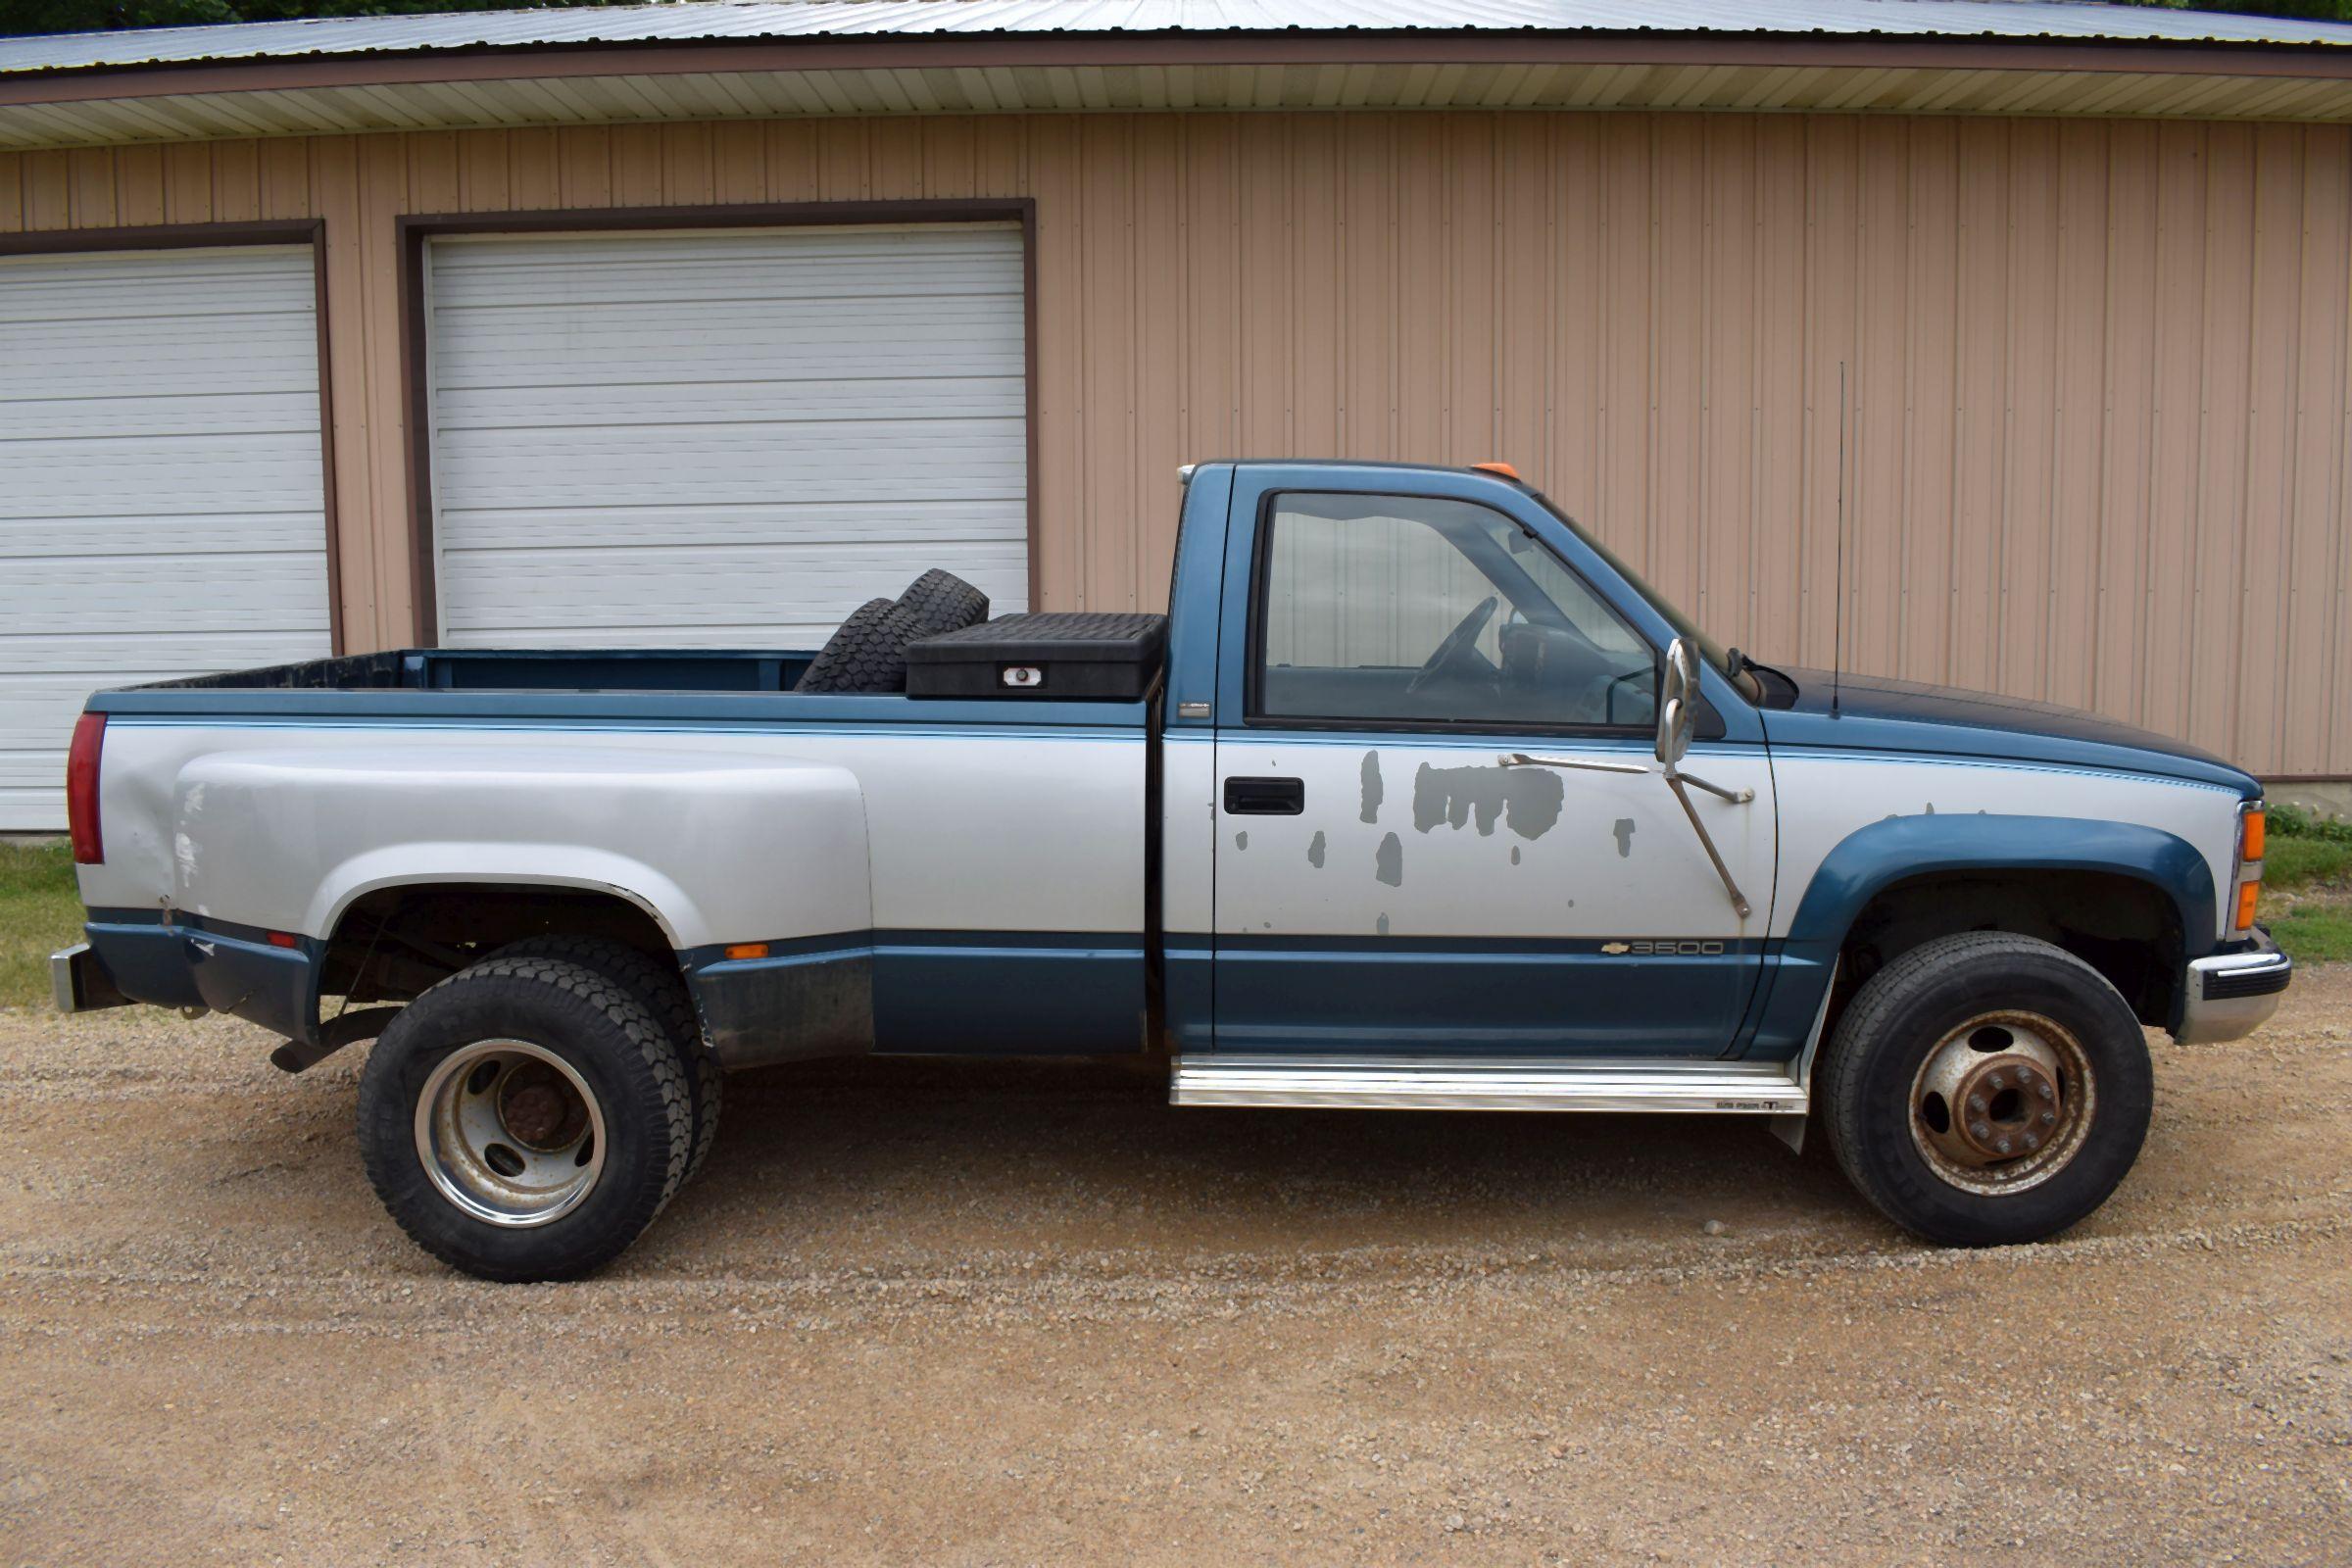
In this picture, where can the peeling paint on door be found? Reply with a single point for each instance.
(1373, 790)
(1388, 863)
(1624, 829)
(1241, 841)
(1314, 850)
(1526, 800)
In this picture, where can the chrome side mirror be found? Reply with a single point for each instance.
(1677, 703)
(1677, 718)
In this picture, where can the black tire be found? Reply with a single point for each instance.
(940, 602)
(600, 1031)
(868, 654)
(663, 990)
(1899, 1018)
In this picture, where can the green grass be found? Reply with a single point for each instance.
(2315, 932)
(39, 913)
(2307, 885)
(2292, 864)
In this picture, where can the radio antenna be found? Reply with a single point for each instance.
(1837, 624)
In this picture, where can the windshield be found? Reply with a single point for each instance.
(1713, 652)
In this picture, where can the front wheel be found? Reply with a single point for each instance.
(1986, 1089)
(525, 1120)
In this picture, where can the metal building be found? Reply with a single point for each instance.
(701, 322)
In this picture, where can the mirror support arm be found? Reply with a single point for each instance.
(1675, 782)
(1735, 797)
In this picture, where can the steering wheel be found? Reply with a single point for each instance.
(1456, 642)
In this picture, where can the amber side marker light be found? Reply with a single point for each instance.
(2253, 834)
(748, 950)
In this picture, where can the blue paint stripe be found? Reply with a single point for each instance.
(1126, 945)
(845, 730)
(1259, 944)
(624, 710)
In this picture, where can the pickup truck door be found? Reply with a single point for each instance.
(1441, 828)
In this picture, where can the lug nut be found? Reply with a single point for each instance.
(1999, 1080)
(1981, 1132)
(2049, 1118)
(1976, 1105)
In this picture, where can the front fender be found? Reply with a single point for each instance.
(1873, 858)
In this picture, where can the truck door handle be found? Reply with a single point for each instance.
(1264, 797)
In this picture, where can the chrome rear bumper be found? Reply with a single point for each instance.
(2229, 995)
(80, 983)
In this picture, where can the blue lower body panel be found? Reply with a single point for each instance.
(928, 993)
(1009, 994)
(1480, 997)
(191, 963)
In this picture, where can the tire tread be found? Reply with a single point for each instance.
(385, 1111)
(1865, 1027)
(663, 990)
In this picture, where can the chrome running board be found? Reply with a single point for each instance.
(1438, 1083)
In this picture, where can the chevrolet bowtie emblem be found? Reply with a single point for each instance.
(1616, 947)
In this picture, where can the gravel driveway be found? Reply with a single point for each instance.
(958, 1313)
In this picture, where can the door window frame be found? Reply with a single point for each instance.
(1254, 716)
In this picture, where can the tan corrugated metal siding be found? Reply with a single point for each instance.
(2097, 370)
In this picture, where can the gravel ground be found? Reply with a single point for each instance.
(971, 1314)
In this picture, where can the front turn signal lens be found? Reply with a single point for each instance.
(748, 950)
(2251, 835)
(2247, 894)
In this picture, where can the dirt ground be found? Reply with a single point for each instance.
(963, 1313)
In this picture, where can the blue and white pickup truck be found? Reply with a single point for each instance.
(1418, 799)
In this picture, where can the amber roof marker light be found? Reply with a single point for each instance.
(1503, 468)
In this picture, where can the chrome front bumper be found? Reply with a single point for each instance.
(2228, 995)
(80, 983)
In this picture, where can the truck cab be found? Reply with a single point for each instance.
(1418, 797)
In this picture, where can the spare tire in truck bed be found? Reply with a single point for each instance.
(868, 654)
(941, 602)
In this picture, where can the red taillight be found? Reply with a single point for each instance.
(81, 789)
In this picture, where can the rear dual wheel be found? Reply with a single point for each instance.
(526, 1118)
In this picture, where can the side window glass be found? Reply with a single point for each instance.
(1409, 609)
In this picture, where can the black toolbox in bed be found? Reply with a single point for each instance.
(1101, 655)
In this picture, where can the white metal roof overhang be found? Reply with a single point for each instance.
(667, 63)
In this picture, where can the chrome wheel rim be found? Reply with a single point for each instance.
(2003, 1102)
(510, 1133)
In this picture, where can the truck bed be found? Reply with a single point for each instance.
(961, 859)
(579, 670)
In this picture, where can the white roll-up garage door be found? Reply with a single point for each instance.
(162, 492)
(722, 437)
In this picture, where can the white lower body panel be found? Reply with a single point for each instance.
(1430, 1083)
